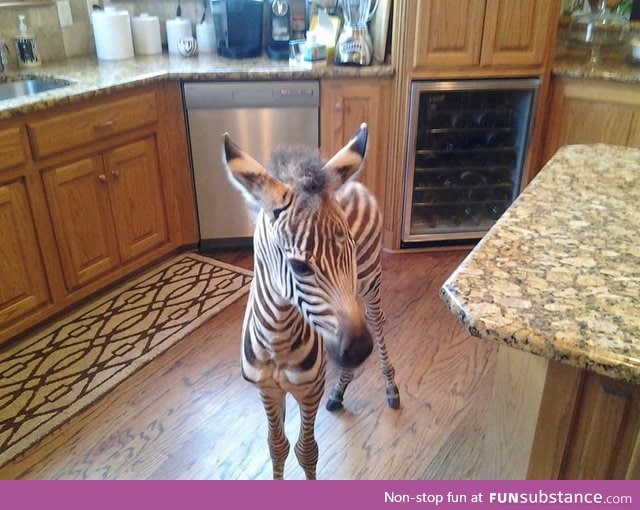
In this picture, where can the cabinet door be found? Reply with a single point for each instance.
(12, 150)
(79, 204)
(448, 33)
(137, 200)
(577, 114)
(345, 105)
(516, 32)
(634, 134)
(23, 286)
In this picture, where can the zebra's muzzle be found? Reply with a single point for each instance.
(354, 345)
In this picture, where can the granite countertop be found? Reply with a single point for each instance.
(615, 68)
(91, 77)
(615, 65)
(559, 274)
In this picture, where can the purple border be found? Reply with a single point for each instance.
(325, 495)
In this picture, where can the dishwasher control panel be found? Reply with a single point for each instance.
(254, 94)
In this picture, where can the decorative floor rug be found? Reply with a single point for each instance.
(51, 375)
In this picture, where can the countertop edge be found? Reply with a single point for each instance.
(82, 88)
(603, 363)
(525, 335)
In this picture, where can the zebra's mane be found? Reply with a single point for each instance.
(299, 167)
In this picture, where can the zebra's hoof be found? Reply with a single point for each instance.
(334, 404)
(393, 398)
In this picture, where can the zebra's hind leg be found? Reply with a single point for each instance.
(388, 372)
(337, 394)
(274, 403)
(306, 448)
(375, 319)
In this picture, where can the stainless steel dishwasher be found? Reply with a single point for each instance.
(259, 116)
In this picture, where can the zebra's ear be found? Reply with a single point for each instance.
(253, 180)
(348, 160)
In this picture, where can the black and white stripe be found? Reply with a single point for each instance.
(317, 246)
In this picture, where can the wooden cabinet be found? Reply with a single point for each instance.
(588, 111)
(442, 40)
(463, 34)
(79, 206)
(448, 34)
(347, 103)
(137, 198)
(23, 286)
(551, 421)
(89, 193)
(108, 210)
(92, 124)
(516, 32)
(12, 150)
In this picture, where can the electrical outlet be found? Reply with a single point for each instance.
(64, 13)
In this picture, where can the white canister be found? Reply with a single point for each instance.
(146, 34)
(177, 28)
(206, 36)
(112, 34)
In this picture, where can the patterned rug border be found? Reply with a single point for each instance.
(36, 434)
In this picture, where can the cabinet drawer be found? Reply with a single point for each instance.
(91, 124)
(11, 149)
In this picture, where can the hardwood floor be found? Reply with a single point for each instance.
(189, 414)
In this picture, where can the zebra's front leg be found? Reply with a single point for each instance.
(337, 394)
(306, 448)
(274, 403)
(375, 319)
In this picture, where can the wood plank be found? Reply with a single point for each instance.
(517, 393)
(557, 409)
(593, 449)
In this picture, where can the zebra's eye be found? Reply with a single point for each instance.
(300, 267)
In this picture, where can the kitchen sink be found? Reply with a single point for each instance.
(23, 86)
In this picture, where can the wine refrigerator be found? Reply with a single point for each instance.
(467, 150)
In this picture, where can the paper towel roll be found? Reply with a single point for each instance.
(146, 34)
(112, 34)
(177, 28)
(205, 34)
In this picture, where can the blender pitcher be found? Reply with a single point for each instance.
(354, 44)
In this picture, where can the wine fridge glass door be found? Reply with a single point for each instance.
(466, 155)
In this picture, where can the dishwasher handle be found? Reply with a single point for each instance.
(247, 95)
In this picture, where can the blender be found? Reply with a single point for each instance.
(354, 44)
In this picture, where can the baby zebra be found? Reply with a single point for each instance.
(317, 247)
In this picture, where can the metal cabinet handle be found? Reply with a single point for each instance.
(104, 125)
(115, 173)
(102, 178)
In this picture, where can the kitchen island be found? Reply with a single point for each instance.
(556, 283)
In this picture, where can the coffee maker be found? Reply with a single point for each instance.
(287, 22)
(238, 27)
(354, 45)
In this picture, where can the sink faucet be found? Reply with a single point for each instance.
(4, 58)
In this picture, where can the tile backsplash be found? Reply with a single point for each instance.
(56, 43)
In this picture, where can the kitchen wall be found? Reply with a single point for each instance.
(56, 43)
